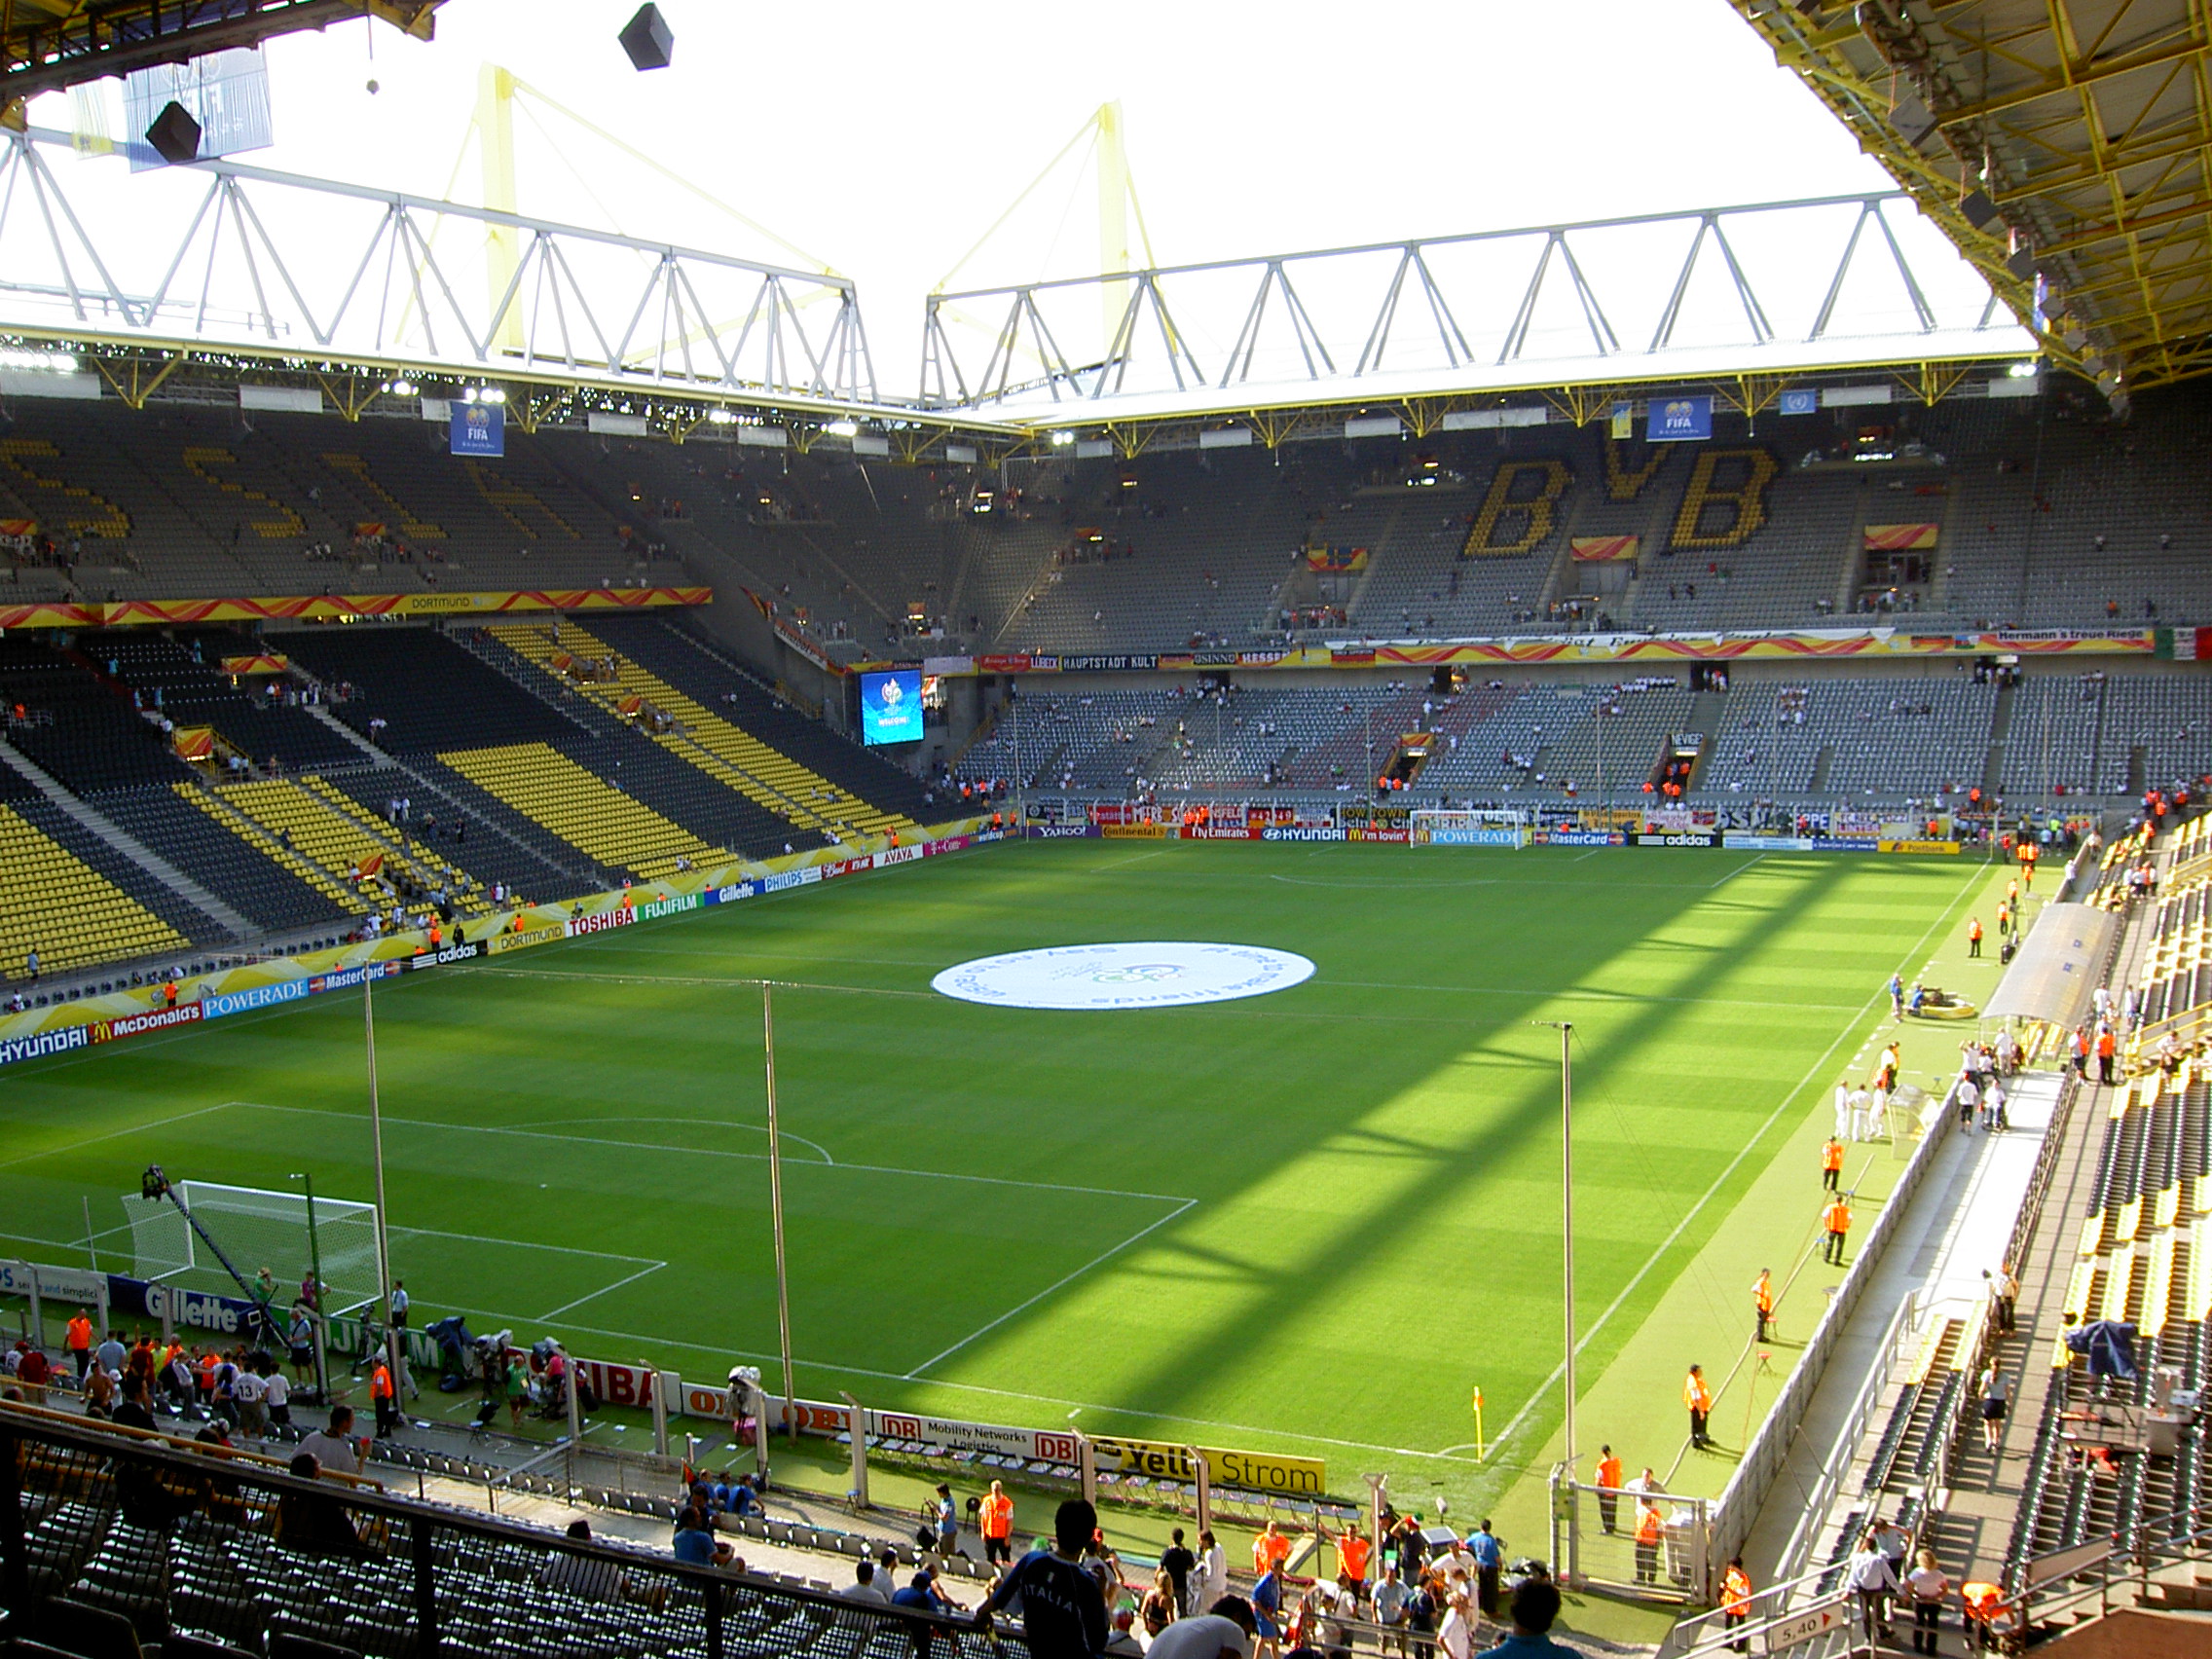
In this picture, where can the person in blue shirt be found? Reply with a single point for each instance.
(1536, 1605)
(1267, 1612)
(1489, 1558)
(695, 1543)
(1062, 1607)
(922, 1596)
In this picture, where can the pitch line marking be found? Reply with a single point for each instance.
(604, 1290)
(524, 1244)
(686, 979)
(1058, 1283)
(1667, 1243)
(757, 1128)
(112, 1134)
(741, 1156)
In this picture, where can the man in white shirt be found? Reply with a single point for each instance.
(1861, 1100)
(333, 1447)
(249, 1392)
(1224, 1635)
(277, 1395)
(1873, 1581)
(864, 1587)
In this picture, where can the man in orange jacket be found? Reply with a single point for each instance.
(1736, 1601)
(1762, 1302)
(996, 1520)
(1831, 1166)
(80, 1342)
(386, 1400)
(1973, 935)
(1837, 1221)
(1609, 1486)
(1699, 1398)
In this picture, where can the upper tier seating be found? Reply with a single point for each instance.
(184, 678)
(76, 727)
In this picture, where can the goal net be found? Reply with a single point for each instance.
(256, 1230)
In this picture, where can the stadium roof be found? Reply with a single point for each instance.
(2068, 140)
(45, 45)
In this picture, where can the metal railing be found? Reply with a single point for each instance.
(96, 1526)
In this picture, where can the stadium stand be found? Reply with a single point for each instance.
(695, 667)
(418, 696)
(126, 1543)
(582, 809)
(77, 727)
(2042, 514)
(238, 869)
(57, 906)
(683, 726)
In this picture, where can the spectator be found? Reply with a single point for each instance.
(1063, 1615)
(333, 1447)
(312, 1520)
(1224, 1630)
(1536, 1608)
(695, 1543)
(588, 1576)
(864, 1587)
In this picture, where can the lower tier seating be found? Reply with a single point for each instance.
(58, 909)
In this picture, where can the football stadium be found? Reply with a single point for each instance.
(1436, 918)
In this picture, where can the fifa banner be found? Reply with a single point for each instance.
(1899, 537)
(277, 982)
(1336, 558)
(1465, 829)
(265, 662)
(192, 743)
(1678, 420)
(1605, 549)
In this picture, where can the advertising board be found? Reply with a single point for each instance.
(891, 707)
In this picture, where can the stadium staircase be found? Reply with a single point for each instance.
(336, 893)
(345, 843)
(1926, 1407)
(762, 775)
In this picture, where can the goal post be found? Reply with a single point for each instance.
(257, 1229)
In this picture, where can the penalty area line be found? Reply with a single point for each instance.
(604, 1290)
(1057, 1284)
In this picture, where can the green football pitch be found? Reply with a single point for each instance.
(1308, 1222)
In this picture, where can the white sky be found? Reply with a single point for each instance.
(886, 137)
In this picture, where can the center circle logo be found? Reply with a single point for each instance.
(1148, 975)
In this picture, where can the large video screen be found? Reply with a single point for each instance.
(891, 707)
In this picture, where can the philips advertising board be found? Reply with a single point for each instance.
(891, 707)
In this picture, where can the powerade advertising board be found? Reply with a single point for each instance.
(891, 707)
